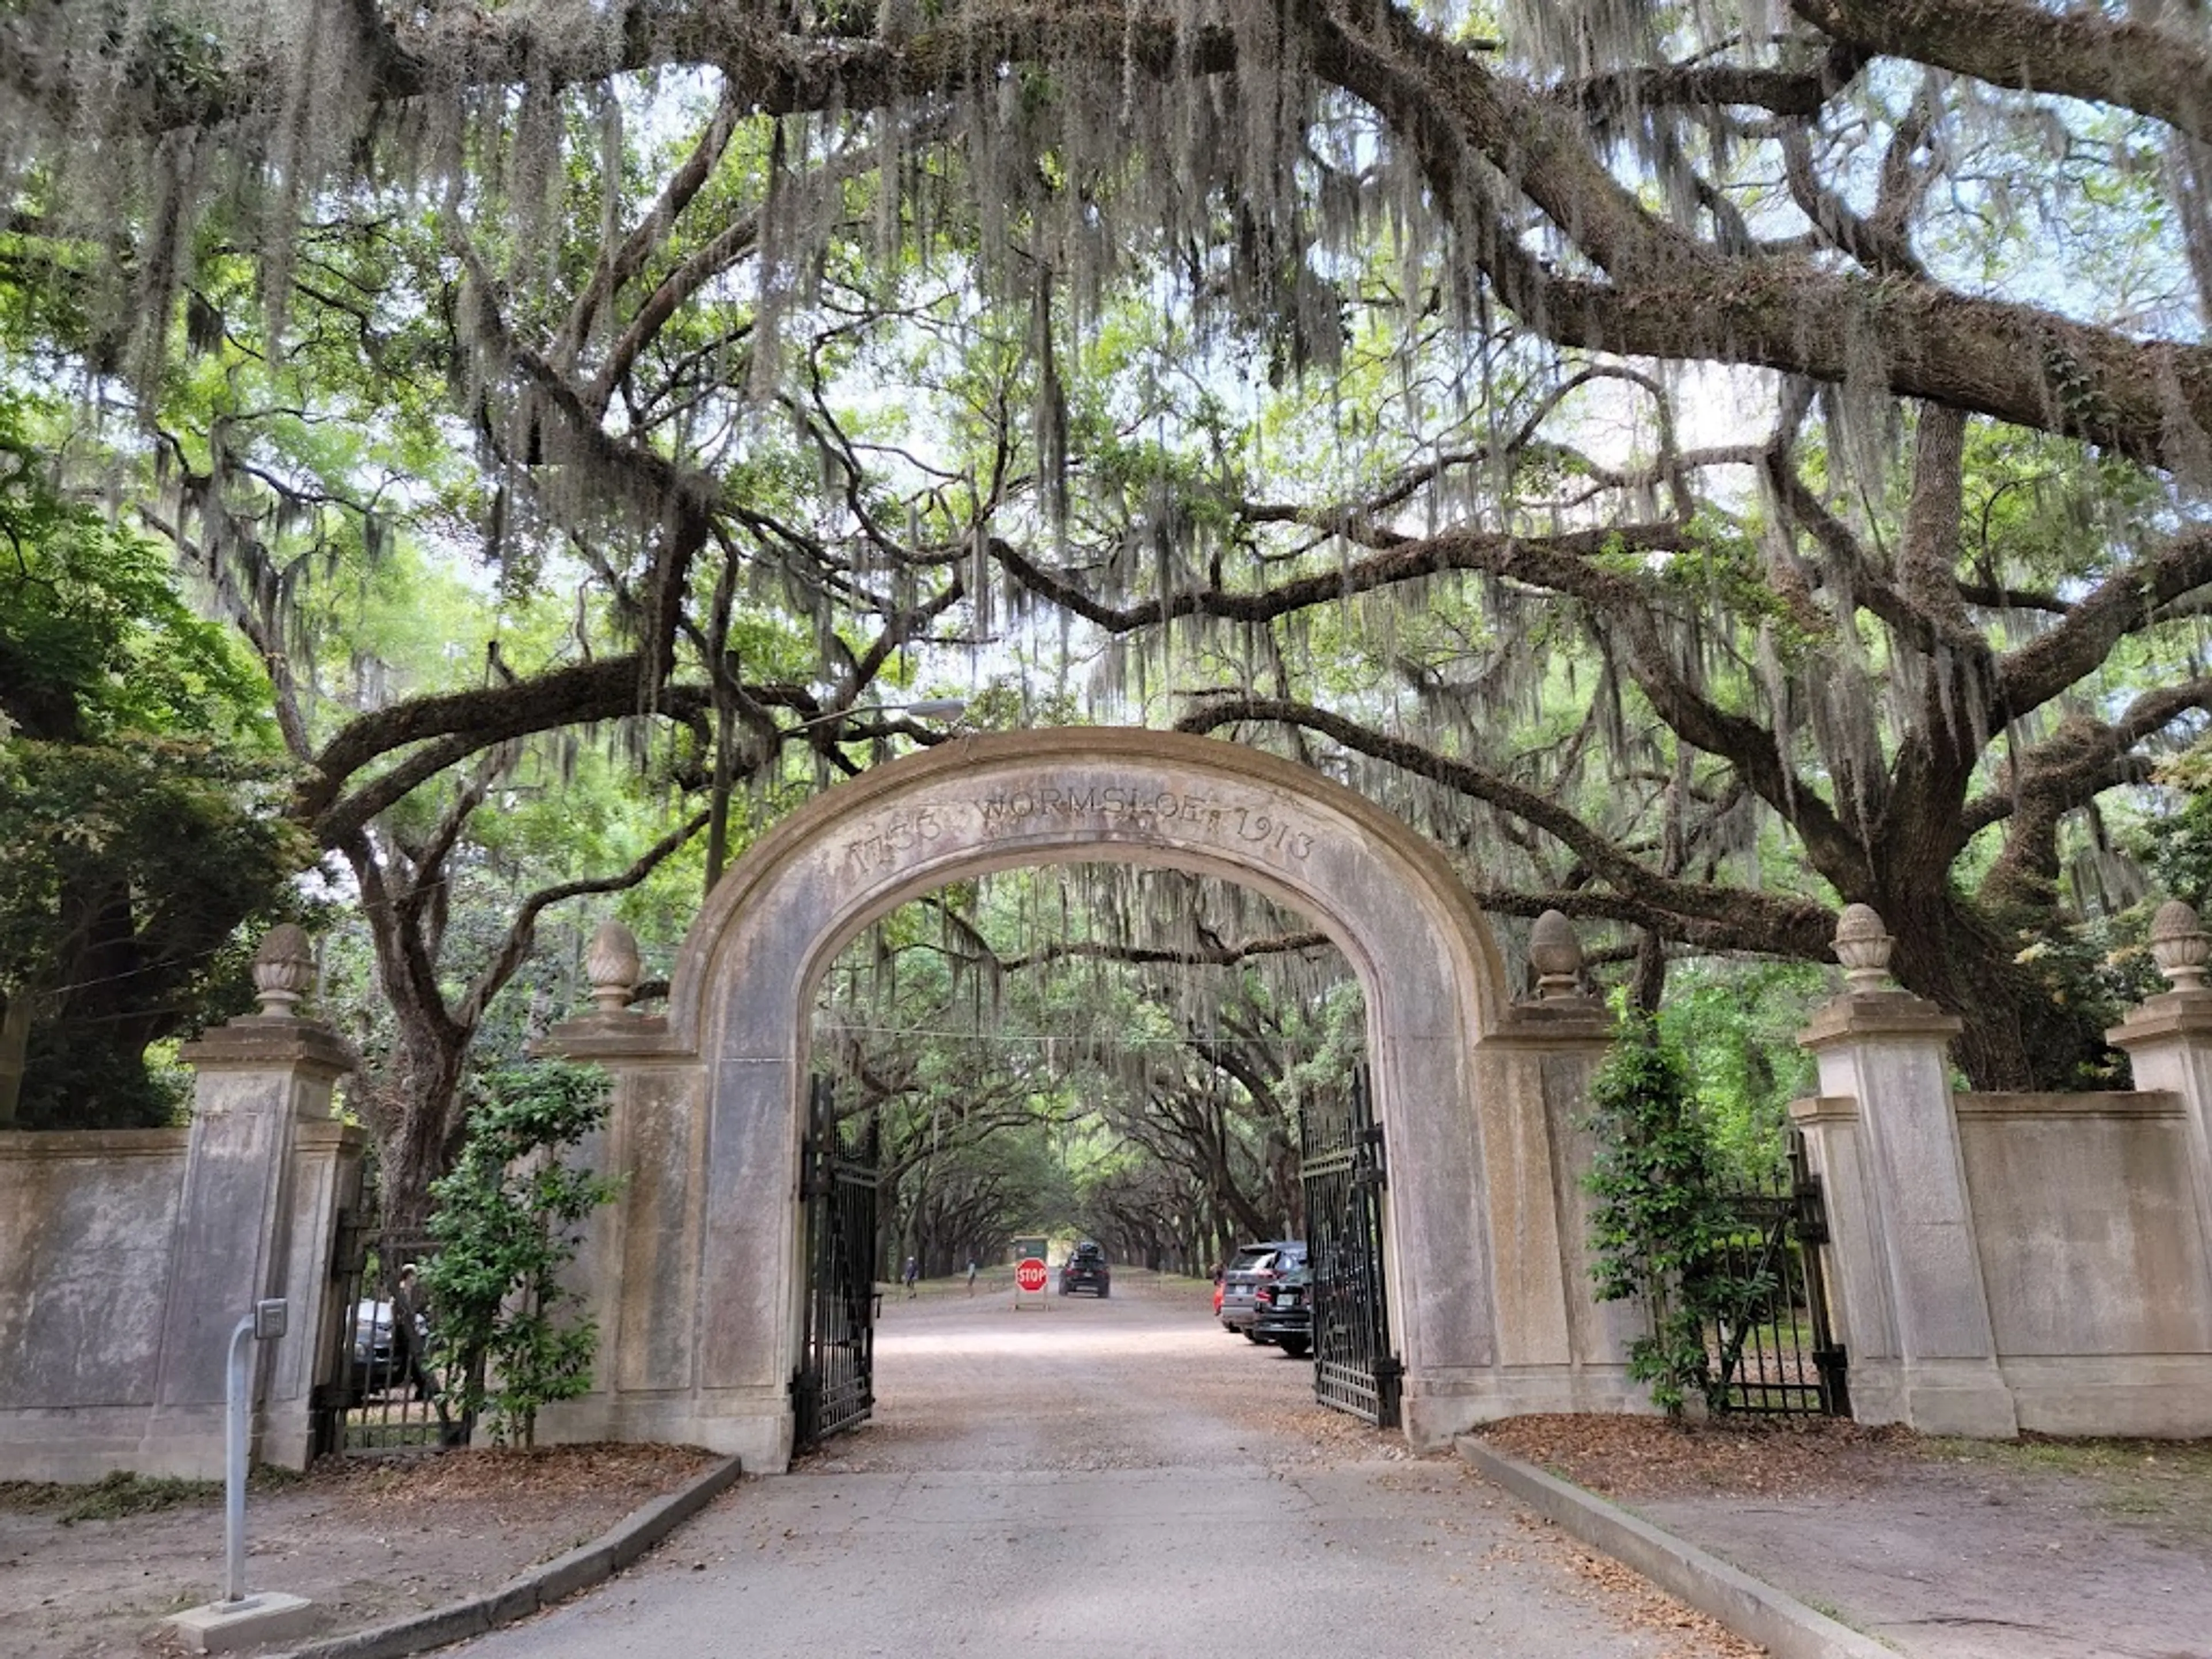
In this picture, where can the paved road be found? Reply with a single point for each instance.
(1116, 1478)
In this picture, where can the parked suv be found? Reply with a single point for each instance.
(1282, 1312)
(1086, 1270)
(1256, 1264)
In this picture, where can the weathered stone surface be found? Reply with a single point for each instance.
(140, 1250)
(1916, 1315)
(91, 1219)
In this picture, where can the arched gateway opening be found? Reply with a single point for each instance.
(695, 1274)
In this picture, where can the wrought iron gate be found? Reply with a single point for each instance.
(1342, 1166)
(1778, 1354)
(384, 1391)
(834, 1388)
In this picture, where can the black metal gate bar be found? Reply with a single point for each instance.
(383, 1389)
(1774, 1351)
(1812, 1227)
(834, 1388)
(1343, 1169)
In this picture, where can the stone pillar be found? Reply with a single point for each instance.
(1558, 1348)
(2169, 1040)
(257, 1079)
(635, 1268)
(1914, 1309)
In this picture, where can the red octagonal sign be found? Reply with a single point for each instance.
(1029, 1275)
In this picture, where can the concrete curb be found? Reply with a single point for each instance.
(544, 1585)
(1759, 1612)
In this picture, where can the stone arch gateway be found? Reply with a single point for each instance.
(694, 1273)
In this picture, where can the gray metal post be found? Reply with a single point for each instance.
(266, 1323)
(234, 1484)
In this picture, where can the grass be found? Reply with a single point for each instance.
(2162, 1483)
(110, 1498)
(114, 1496)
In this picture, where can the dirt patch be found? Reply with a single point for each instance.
(83, 1574)
(1946, 1549)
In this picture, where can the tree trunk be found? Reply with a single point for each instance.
(418, 1120)
(2023, 1032)
(14, 1041)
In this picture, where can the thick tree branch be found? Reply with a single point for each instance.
(2074, 52)
(1564, 563)
(1810, 936)
(2084, 758)
(1666, 294)
(1598, 851)
(2122, 605)
(522, 932)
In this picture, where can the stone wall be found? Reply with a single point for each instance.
(2016, 1262)
(127, 1258)
(91, 1225)
(97, 1301)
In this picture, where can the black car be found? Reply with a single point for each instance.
(1282, 1312)
(376, 1362)
(1086, 1270)
(1255, 1265)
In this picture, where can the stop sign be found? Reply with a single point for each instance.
(1029, 1275)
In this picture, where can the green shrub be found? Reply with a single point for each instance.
(1661, 1220)
(506, 1222)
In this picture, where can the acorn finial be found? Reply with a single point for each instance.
(612, 965)
(1556, 955)
(283, 968)
(2179, 945)
(1863, 945)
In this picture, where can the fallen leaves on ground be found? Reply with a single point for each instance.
(509, 1482)
(1654, 1457)
(1642, 1606)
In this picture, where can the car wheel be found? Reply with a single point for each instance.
(1296, 1347)
(1254, 1337)
(1104, 1293)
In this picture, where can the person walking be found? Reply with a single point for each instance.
(912, 1272)
(407, 1332)
(971, 1275)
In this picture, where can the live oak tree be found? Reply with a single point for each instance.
(1341, 367)
(137, 773)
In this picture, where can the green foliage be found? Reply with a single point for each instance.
(1737, 1023)
(1661, 1221)
(2180, 845)
(137, 802)
(505, 1223)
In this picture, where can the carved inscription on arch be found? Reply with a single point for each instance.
(1113, 811)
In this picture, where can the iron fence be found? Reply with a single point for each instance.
(385, 1389)
(1774, 1351)
(833, 1387)
(1344, 1173)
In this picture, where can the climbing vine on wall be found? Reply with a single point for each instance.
(508, 1221)
(1662, 1219)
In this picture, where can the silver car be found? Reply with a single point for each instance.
(1255, 1265)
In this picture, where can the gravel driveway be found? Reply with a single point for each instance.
(1117, 1478)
